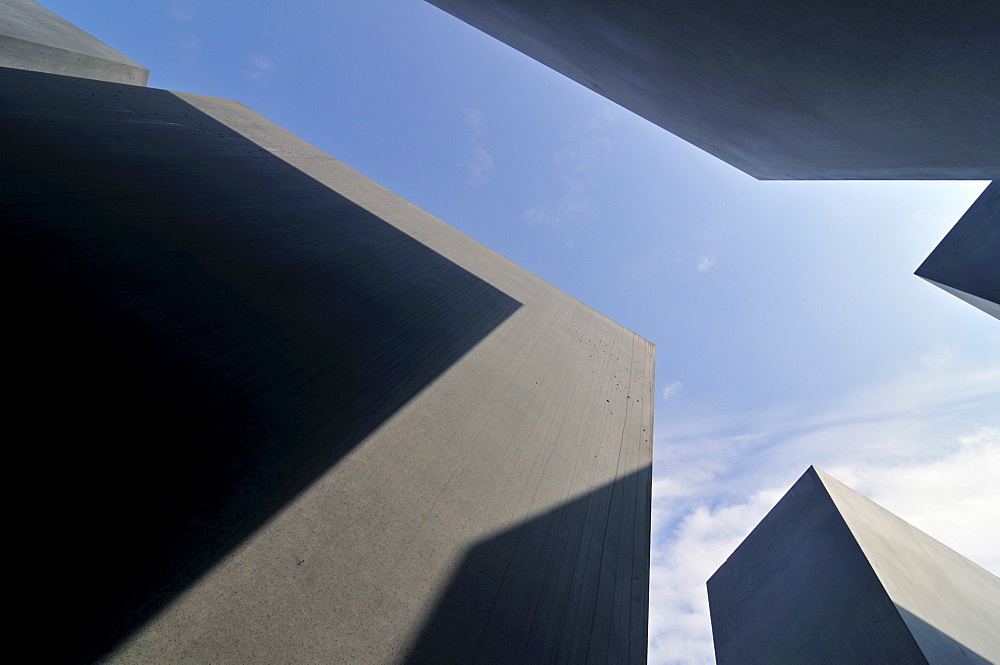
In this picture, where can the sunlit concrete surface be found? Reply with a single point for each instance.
(784, 89)
(966, 263)
(286, 416)
(34, 38)
(830, 577)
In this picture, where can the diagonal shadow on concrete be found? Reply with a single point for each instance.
(195, 332)
(568, 586)
(938, 647)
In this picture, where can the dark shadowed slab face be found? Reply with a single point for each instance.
(781, 89)
(966, 263)
(194, 331)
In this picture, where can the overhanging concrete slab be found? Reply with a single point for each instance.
(783, 89)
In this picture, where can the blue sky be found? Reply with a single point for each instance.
(789, 327)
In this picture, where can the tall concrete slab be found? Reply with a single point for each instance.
(966, 263)
(36, 39)
(283, 415)
(950, 605)
(783, 89)
(830, 577)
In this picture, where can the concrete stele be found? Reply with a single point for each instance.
(36, 39)
(828, 576)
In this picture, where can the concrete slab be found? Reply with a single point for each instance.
(950, 605)
(281, 413)
(830, 577)
(36, 39)
(966, 263)
(782, 89)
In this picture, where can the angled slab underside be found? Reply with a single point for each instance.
(36, 39)
(783, 89)
(286, 416)
(966, 263)
(829, 576)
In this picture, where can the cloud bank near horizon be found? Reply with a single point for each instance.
(925, 445)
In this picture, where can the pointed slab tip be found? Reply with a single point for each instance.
(965, 262)
(830, 576)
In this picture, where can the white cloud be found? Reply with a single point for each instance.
(950, 498)
(925, 444)
(181, 11)
(259, 67)
(680, 624)
(581, 156)
(540, 217)
(480, 167)
(705, 263)
(671, 390)
(189, 45)
(473, 117)
(583, 152)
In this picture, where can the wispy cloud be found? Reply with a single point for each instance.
(583, 152)
(925, 444)
(259, 67)
(541, 217)
(474, 117)
(671, 390)
(478, 165)
(705, 263)
(950, 497)
(181, 11)
(680, 624)
(189, 45)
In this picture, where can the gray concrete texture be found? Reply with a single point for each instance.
(966, 263)
(36, 39)
(284, 416)
(828, 576)
(784, 89)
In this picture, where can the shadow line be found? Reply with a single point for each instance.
(568, 586)
(195, 332)
(940, 647)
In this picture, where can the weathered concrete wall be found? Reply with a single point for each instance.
(966, 263)
(784, 89)
(36, 39)
(830, 577)
(285, 416)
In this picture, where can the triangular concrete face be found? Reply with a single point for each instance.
(830, 577)
(950, 605)
(965, 262)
